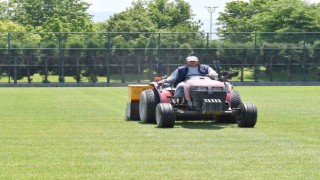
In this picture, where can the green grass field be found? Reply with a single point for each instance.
(81, 133)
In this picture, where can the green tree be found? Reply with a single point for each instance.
(70, 14)
(4, 10)
(287, 16)
(48, 60)
(73, 55)
(269, 16)
(235, 18)
(154, 15)
(133, 19)
(18, 49)
(168, 15)
(93, 57)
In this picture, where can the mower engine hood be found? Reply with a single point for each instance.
(201, 81)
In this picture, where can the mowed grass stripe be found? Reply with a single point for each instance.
(80, 133)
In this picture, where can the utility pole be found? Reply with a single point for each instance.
(211, 10)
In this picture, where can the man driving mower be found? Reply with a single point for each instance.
(192, 67)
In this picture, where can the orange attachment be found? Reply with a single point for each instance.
(135, 91)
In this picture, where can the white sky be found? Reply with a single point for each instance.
(197, 6)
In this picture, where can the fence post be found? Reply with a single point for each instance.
(78, 77)
(108, 58)
(15, 69)
(139, 70)
(28, 69)
(9, 56)
(255, 59)
(122, 71)
(60, 59)
(304, 57)
(271, 69)
(159, 61)
(242, 71)
(289, 71)
(207, 53)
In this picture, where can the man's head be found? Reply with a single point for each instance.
(192, 61)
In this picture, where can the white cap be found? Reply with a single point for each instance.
(192, 58)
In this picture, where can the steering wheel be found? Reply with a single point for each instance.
(196, 75)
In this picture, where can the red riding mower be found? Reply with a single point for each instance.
(205, 99)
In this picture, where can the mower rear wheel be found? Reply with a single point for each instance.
(165, 116)
(147, 106)
(132, 111)
(248, 115)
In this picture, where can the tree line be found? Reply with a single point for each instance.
(55, 32)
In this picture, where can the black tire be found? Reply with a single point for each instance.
(235, 99)
(149, 99)
(165, 115)
(248, 115)
(132, 111)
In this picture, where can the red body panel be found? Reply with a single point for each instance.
(193, 81)
(228, 98)
(163, 93)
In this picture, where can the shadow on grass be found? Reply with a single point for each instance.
(204, 125)
(207, 125)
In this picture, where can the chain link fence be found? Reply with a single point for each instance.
(138, 57)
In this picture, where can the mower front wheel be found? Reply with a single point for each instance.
(248, 115)
(235, 99)
(165, 116)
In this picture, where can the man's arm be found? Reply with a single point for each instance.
(172, 78)
(212, 73)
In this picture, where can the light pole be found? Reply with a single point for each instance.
(211, 10)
